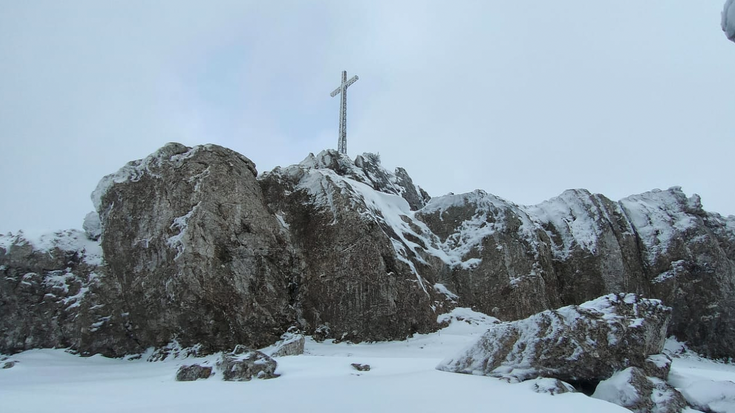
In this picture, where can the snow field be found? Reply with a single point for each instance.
(402, 378)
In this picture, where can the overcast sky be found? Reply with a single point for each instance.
(523, 99)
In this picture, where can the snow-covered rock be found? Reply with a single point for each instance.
(728, 19)
(195, 253)
(512, 261)
(244, 364)
(632, 389)
(45, 285)
(200, 250)
(577, 344)
(367, 270)
(193, 372)
(291, 344)
(550, 386)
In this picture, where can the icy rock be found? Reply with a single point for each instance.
(9, 364)
(550, 386)
(244, 364)
(630, 388)
(577, 344)
(291, 344)
(657, 365)
(711, 396)
(360, 367)
(728, 19)
(92, 226)
(193, 372)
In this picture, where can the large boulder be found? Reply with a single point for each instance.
(291, 344)
(244, 364)
(577, 344)
(194, 250)
(193, 372)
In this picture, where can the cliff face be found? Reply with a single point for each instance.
(579, 246)
(200, 250)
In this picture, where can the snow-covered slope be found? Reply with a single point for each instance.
(402, 379)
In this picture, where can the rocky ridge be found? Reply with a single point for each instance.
(200, 249)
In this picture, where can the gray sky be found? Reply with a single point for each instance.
(521, 99)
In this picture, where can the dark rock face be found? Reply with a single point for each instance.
(584, 344)
(46, 285)
(193, 372)
(245, 364)
(194, 250)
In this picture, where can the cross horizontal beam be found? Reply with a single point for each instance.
(345, 85)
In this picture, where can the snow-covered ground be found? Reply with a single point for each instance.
(402, 379)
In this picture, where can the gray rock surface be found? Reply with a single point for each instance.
(194, 251)
(578, 344)
(244, 364)
(193, 372)
(291, 344)
(46, 285)
(360, 367)
(632, 389)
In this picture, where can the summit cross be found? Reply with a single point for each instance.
(342, 89)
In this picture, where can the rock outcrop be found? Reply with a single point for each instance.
(577, 344)
(511, 261)
(201, 251)
(46, 286)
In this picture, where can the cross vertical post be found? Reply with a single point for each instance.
(342, 90)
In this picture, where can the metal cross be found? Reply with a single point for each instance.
(342, 89)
